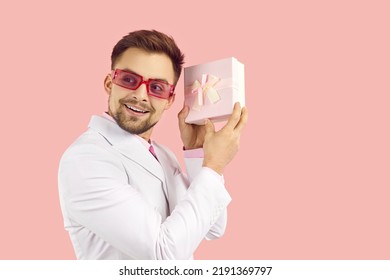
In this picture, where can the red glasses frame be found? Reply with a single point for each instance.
(115, 74)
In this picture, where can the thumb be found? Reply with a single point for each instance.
(209, 126)
(183, 114)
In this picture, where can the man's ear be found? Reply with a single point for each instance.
(170, 102)
(108, 84)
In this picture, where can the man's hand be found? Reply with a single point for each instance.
(192, 135)
(220, 147)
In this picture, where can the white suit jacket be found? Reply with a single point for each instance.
(119, 202)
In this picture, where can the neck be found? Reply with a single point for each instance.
(146, 135)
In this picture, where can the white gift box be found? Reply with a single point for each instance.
(211, 89)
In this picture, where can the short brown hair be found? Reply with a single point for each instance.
(151, 41)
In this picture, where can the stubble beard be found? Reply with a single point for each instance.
(131, 124)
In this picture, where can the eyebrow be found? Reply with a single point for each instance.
(157, 79)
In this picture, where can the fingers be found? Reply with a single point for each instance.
(243, 120)
(234, 117)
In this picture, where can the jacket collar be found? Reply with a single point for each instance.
(127, 144)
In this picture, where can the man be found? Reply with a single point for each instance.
(124, 196)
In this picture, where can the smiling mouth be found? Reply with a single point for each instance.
(137, 110)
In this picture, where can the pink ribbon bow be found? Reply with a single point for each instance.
(205, 88)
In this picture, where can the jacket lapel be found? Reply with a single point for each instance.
(127, 144)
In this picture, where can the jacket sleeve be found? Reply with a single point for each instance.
(194, 166)
(95, 193)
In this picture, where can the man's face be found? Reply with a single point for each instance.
(134, 110)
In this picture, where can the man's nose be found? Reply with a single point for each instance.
(141, 93)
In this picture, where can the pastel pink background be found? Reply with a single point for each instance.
(312, 177)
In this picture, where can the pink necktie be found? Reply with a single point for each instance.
(151, 150)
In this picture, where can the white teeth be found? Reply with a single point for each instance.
(135, 109)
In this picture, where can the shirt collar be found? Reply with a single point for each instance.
(142, 140)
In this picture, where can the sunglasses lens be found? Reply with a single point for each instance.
(159, 89)
(128, 80)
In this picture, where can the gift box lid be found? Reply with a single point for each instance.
(224, 68)
(212, 88)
